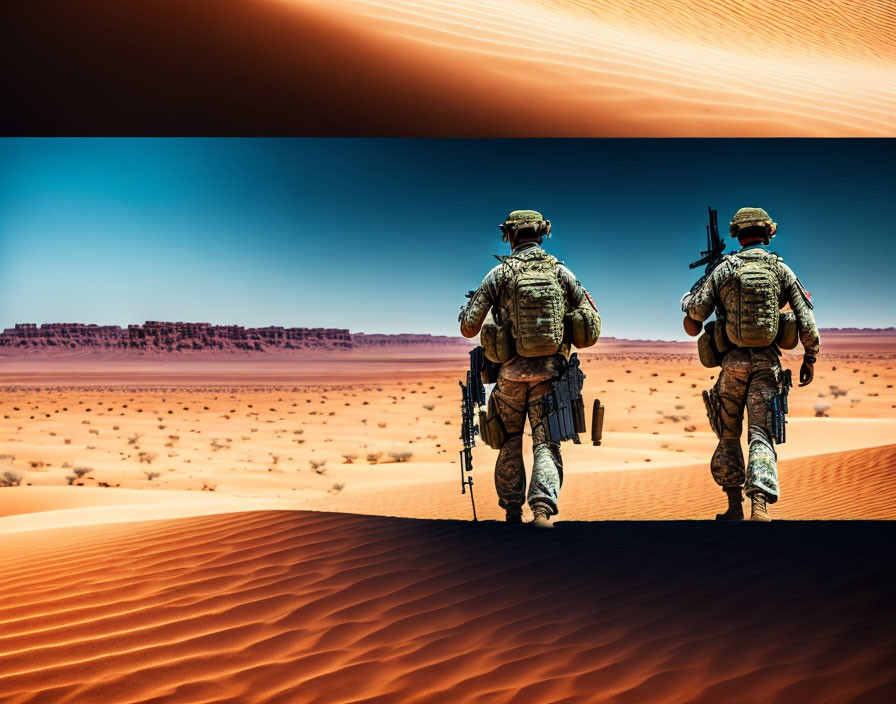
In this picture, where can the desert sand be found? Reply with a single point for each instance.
(193, 530)
(512, 68)
(324, 607)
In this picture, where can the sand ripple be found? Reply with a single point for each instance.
(315, 607)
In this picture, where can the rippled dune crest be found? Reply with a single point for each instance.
(304, 607)
(463, 68)
(648, 67)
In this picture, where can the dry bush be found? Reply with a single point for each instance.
(337, 487)
(317, 465)
(837, 391)
(821, 408)
(151, 475)
(429, 406)
(209, 485)
(81, 471)
(349, 458)
(134, 438)
(690, 428)
(70, 478)
(374, 457)
(401, 455)
(11, 478)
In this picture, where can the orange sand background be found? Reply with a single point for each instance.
(483, 68)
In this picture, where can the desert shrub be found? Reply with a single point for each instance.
(209, 485)
(70, 478)
(146, 457)
(317, 464)
(151, 475)
(690, 428)
(401, 455)
(374, 457)
(81, 471)
(429, 406)
(380, 425)
(821, 408)
(337, 487)
(11, 478)
(349, 458)
(134, 438)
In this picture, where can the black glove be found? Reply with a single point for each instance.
(807, 373)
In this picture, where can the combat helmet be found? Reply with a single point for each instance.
(519, 220)
(752, 218)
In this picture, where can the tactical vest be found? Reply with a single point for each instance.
(751, 297)
(535, 302)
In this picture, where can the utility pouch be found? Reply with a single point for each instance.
(491, 427)
(713, 410)
(706, 347)
(712, 344)
(496, 341)
(583, 327)
(788, 333)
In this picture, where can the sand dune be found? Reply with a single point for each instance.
(843, 485)
(304, 607)
(453, 68)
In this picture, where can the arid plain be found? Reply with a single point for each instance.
(118, 585)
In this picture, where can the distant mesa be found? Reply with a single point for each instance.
(155, 336)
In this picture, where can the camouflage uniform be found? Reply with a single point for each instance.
(522, 382)
(749, 379)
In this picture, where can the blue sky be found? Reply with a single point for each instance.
(381, 235)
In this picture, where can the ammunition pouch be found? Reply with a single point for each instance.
(712, 344)
(583, 328)
(491, 427)
(788, 333)
(713, 410)
(497, 341)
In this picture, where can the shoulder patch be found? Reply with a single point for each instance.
(807, 297)
(590, 299)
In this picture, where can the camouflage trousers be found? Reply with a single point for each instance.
(741, 385)
(515, 399)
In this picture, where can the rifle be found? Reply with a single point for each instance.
(563, 409)
(710, 257)
(472, 395)
(777, 406)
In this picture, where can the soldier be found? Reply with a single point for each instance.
(533, 309)
(746, 291)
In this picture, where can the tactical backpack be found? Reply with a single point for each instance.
(751, 299)
(536, 303)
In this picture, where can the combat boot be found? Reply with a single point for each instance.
(760, 508)
(541, 517)
(735, 510)
(513, 514)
